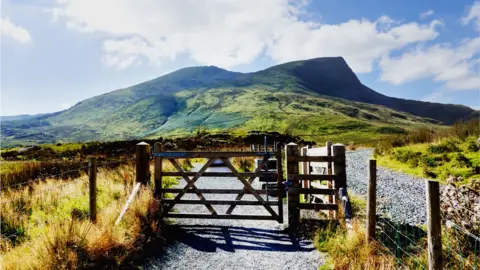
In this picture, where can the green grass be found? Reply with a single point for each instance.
(437, 160)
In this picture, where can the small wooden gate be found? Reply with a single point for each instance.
(336, 178)
(166, 205)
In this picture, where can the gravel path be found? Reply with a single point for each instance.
(399, 196)
(233, 244)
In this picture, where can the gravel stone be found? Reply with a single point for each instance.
(399, 196)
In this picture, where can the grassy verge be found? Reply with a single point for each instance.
(46, 225)
(436, 160)
(435, 154)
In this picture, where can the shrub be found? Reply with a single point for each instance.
(461, 160)
(430, 161)
(446, 146)
(429, 173)
(403, 155)
(472, 146)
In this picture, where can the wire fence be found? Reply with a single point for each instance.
(408, 244)
(26, 207)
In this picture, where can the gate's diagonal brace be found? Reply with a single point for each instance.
(189, 184)
(240, 196)
(249, 187)
(194, 188)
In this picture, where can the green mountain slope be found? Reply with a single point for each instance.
(318, 96)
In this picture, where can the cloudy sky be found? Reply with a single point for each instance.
(55, 53)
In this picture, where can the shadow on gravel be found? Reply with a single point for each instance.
(209, 238)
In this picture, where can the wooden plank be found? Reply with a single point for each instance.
(311, 191)
(207, 216)
(211, 154)
(212, 191)
(434, 226)
(330, 184)
(318, 206)
(371, 200)
(92, 177)
(129, 201)
(293, 200)
(219, 202)
(222, 174)
(240, 196)
(305, 171)
(312, 177)
(313, 159)
(194, 188)
(279, 182)
(190, 183)
(250, 188)
(158, 171)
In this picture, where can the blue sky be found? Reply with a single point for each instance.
(57, 53)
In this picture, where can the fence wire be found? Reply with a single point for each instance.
(404, 242)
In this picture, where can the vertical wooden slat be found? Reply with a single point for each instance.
(279, 182)
(158, 147)
(434, 226)
(291, 149)
(92, 177)
(328, 145)
(372, 200)
(338, 150)
(142, 160)
(305, 170)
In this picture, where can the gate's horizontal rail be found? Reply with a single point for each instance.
(211, 154)
(220, 174)
(312, 177)
(311, 191)
(315, 158)
(209, 216)
(318, 206)
(212, 191)
(220, 202)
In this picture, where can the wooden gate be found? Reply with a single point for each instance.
(166, 205)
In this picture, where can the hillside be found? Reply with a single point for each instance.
(320, 96)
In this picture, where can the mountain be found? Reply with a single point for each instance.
(320, 96)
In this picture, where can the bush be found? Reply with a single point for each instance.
(446, 146)
(472, 146)
(403, 155)
(461, 160)
(430, 161)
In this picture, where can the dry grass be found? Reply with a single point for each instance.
(51, 230)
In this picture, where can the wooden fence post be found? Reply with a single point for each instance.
(434, 226)
(338, 151)
(278, 155)
(328, 145)
(142, 162)
(371, 200)
(92, 178)
(305, 170)
(291, 149)
(158, 147)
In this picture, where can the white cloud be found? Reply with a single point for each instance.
(426, 14)
(18, 33)
(473, 15)
(231, 33)
(455, 66)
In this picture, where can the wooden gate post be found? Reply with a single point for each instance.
(278, 155)
(434, 226)
(372, 200)
(158, 147)
(92, 178)
(142, 162)
(305, 170)
(338, 152)
(291, 150)
(328, 145)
